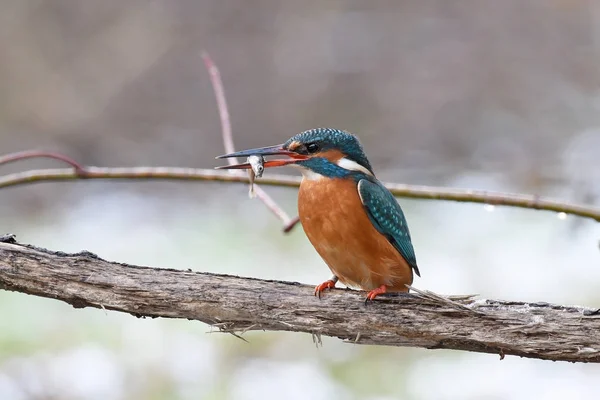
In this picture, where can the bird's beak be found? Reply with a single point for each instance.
(277, 150)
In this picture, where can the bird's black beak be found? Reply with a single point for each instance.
(277, 150)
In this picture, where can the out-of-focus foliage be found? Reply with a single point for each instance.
(499, 95)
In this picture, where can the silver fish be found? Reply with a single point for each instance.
(257, 168)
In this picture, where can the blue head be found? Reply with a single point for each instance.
(329, 152)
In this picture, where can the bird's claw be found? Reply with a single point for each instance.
(375, 292)
(329, 284)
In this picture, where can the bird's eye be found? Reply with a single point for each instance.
(312, 147)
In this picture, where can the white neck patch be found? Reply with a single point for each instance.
(352, 166)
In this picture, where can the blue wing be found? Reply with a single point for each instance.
(386, 215)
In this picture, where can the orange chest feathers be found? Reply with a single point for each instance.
(337, 225)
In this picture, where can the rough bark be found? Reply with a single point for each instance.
(235, 304)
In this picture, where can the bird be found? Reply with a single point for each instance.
(351, 219)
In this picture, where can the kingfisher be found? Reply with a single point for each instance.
(352, 220)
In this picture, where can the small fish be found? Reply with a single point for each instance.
(256, 171)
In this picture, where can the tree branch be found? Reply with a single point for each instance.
(166, 173)
(24, 155)
(399, 190)
(217, 84)
(234, 304)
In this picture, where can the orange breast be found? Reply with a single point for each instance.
(337, 225)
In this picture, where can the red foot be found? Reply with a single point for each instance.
(330, 284)
(376, 292)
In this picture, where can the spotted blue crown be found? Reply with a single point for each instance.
(330, 139)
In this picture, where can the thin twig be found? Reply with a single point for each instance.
(398, 190)
(227, 327)
(217, 84)
(24, 155)
(291, 224)
(426, 294)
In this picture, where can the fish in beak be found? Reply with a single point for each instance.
(277, 150)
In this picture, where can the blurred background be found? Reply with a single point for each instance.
(497, 95)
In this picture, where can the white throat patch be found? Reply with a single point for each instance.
(352, 166)
(307, 173)
(311, 175)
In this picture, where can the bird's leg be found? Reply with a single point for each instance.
(375, 292)
(329, 284)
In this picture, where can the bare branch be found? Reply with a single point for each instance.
(399, 190)
(217, 84)
(24, 155)
(236, 305)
